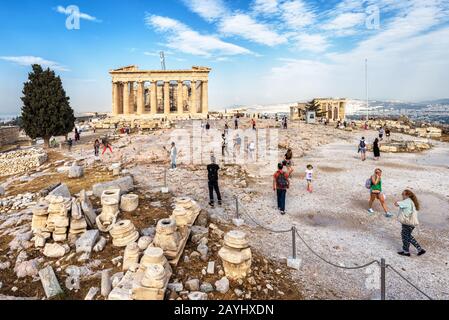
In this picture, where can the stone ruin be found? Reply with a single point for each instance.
(402, 146)
(123, 233)
(236, 255)
(20, 161)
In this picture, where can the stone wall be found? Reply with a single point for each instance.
(9, 135)
(20, 161)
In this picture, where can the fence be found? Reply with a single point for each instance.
(294, 233)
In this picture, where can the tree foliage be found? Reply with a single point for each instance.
(46, 110)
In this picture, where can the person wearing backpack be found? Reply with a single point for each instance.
(375, 187)
(212, 177)
(280, 184)
(408, 217)
(362, 148)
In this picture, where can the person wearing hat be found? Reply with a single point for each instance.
(212, 177)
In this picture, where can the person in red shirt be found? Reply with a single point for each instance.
(281, 183)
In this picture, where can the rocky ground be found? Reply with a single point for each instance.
(333, 220)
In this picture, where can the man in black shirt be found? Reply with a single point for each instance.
(212, 175)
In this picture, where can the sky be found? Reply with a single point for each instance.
(260, 51)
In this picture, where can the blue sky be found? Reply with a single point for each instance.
(261, 51)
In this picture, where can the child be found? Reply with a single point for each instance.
(309, 176)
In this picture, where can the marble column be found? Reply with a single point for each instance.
(153, 97)
(205, 97)
(132, 98)
(180, 103)
(126, 100)
(193, 103)
(120, 98)
(140, 98)
(166, 97)
(115, 98)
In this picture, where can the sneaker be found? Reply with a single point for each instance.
(422, 252)
(388, 215)
(212, 204)
(282, 212)
(370, 211)
(220, 203)
(405, 254)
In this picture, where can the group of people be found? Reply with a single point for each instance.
(407, 216)
(106, 146)
(282, 176)
(376, 144)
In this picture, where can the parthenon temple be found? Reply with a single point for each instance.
(160, 93)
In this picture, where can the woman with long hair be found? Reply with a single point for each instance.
(376, 149)
(408, 217)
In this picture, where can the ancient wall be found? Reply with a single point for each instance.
(9, 135)
(21, 161)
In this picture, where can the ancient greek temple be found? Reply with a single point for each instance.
(160, 93)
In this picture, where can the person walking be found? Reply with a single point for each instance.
(281, 184)
(224, 145)
(106, 145)
(375, 186)
(289, 157)
(212, 177)
(70, 144)
(226, 129)
(253, 122)
(173, 155)
(309, 177)
(362, 149)
(388, 134)
(408, 217)
(381, 133)
(236, 122)
(252, 151)
(97, 147)
(376, 149)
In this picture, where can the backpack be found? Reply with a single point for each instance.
(282, 181)
(369, 183)
(362, 144)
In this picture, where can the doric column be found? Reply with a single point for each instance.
(193, 104)
(179, 105)
(132, 98)
(120, 97)
(115, 100)
(153, 97)
(140, 98)
(166, 97)
(126, 104)
(205, 97)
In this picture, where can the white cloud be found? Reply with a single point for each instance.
(311, 42)
(30, 60)
(82, 15)
(296, 14)
(209, 10)
(265, 6)
(345, 21)
(246, 27)
(182, 38)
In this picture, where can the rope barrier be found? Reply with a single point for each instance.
(408, 281)
(294, 230)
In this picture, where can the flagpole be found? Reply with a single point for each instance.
(366, 87)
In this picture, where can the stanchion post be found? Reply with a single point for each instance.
(237, 207)
(294, 242)
(383, 268)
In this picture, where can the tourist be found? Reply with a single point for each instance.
(375, 186)
(224, 145)
(376, 149)
(381, 133)
(388, 133)
(70, 144)
(76, 134)
(253, 122)
(97, 147)
(226, 129)
(289, 157)
(280, 184)
(212, 177)
(207, 126)
(309, 176)
(362, 148)
(106, 145)
(252, 150)
(408, 217)
(53, 143)
(237, 145)
(236, 123)
(173, 155)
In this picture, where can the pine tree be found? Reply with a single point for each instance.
(46, 110)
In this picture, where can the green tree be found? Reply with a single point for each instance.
(46, 110)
